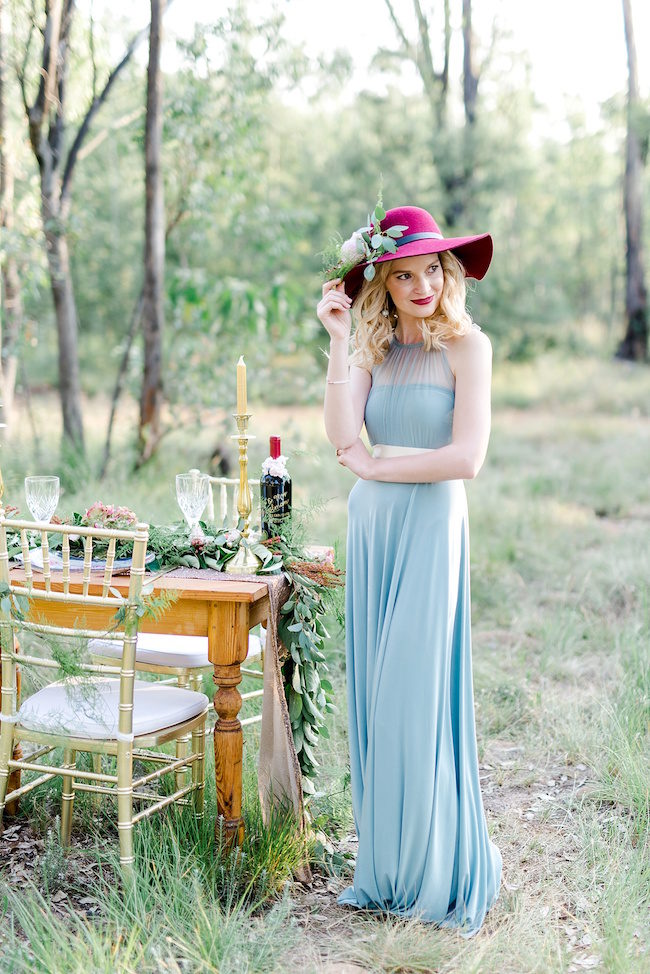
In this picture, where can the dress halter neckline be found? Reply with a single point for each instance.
(407, 344)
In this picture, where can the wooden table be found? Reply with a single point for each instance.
(224, 611)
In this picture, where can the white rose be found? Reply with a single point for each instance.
(352, 249)
(275, 466)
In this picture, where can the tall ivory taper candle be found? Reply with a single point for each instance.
(241, 387)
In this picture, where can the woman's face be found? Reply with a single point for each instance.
(415, 284)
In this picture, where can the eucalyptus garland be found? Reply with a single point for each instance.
(308, 693)
(301, 628)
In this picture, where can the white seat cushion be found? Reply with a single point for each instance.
(165, 649)
(88, 707)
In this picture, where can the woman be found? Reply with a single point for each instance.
(420, 380)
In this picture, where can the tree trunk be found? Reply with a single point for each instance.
(11, 311)
(635, 343)
(154, 248)
(46, 119)
(65, 309)
(470, 77)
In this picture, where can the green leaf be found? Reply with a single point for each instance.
(288, 605)
(296, 627)
(369, 272)
(309, 754)
(366, 237)
(389, 245)
(312, 681)
(310, 708)
(310, 733)
(304, 640)
(324, 732)
(396, 231)
(295, 653)
(295, 680)
(308, 786)
(298, 737)
(375, 241)
(295, 704)
(380, 213)
(307, 654)
(262, 552)
(326, 685)
(5, 605)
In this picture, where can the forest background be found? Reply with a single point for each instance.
(267, 152)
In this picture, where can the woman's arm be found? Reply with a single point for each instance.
(471, 360)
(347, 389)
(345, 403)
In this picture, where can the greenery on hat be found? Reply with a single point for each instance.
(364, 246)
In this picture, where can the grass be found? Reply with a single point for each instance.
(560, 521)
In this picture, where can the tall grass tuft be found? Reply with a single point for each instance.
(624, 754)
(202, 937)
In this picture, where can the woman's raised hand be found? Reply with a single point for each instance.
(334, 309)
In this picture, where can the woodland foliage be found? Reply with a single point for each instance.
(264, 161)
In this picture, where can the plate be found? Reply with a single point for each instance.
(121, 566)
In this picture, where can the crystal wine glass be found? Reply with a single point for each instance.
(192, 491)
(42, 496)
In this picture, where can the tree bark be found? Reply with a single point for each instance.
(634, 345)
(154, 247)
(46, 121)
(11, 311)
(470, 76)
(58, 259)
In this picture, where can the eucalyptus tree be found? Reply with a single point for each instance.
(11, 306)
(154, 247)
(635, 342)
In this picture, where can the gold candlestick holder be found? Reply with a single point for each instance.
(244, 562)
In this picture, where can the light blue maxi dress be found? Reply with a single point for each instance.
(423, 842)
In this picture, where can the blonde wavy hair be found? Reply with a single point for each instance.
(374, 330)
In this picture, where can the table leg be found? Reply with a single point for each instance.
(227, 649)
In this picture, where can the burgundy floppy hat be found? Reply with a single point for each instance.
(423, 236)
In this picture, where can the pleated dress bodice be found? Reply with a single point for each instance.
(411, 400)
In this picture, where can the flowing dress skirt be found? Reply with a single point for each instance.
(423, 845)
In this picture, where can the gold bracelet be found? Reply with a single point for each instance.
(337, 382)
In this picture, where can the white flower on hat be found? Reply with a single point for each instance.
(353, 249)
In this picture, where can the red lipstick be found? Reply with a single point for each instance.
(424, 300)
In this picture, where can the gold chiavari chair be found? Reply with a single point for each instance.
(227, 489)
(103, 709)
(184, 659)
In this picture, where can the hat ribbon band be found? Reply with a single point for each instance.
(418, 236)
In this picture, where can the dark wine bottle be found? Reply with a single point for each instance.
(275, 489)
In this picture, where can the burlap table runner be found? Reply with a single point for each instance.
(279, 775)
